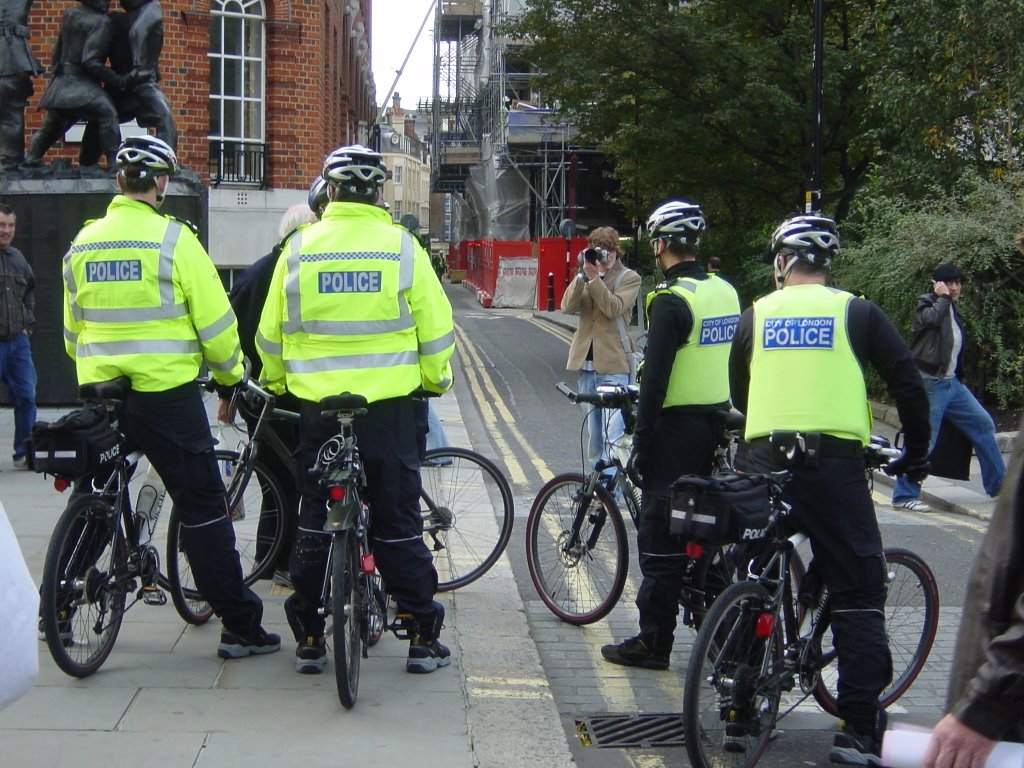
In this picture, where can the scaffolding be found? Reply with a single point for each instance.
(513, 163)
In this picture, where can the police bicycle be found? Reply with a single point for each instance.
(466, 502)
(766, 644)
(576, 539)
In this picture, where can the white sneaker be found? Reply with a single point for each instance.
(914, 505)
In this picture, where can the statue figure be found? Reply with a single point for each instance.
(135, 49)
(17, 67)
(78, 69)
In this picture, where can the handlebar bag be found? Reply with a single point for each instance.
(75, 445)
(723, 509)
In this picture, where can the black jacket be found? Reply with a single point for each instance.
(17, 294)
(248, 295)
(986, 687)
(931, 337)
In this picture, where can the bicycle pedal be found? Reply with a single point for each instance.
(152, 596)
(402, 627)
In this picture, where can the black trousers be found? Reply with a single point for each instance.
(832, 505)
(684, 444)
(387, 444)
(173, 430)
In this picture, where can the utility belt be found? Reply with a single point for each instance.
(788, 448)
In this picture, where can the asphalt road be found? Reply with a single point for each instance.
(510, 361)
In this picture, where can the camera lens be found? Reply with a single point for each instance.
(592, 255)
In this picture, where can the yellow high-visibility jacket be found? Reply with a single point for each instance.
(355, 305)
(143, 299)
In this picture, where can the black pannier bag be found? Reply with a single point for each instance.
(724, 509)
(75, 445)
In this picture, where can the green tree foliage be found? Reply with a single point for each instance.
(708, 100)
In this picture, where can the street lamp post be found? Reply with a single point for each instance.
(813, 197)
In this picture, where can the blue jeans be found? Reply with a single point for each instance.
(949, 398)
(436, 437)
(604, 426)
(19, 374)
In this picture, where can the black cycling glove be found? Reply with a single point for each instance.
(914, 466)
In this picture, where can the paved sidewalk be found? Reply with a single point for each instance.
(942, 494)
(163, 698)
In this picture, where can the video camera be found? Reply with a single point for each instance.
(595, 256)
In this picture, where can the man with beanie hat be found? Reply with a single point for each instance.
(937, 341)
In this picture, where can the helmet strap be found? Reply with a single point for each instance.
(781, 266)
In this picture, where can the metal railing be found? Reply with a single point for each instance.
(237, 162)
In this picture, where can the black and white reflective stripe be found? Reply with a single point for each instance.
(167, 310)
(295, 322)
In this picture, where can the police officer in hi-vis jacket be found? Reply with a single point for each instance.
(143, 300)
(797, 371)
(355, 306)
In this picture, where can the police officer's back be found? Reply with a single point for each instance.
(142, 299)
(796, 370)
(354, 305)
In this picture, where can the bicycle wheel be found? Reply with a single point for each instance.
(467, 514)
(345, 602)
(85, 579)
(576, 549)
(260, 519)
(733, 687)
(187, 599)
(911, 621)
(259, 513)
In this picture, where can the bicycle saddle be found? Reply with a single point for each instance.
(731, 420)
(346, 401)
(98, 391)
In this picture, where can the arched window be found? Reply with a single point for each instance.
(236, 90)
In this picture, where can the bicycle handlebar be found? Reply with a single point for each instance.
(616, 398)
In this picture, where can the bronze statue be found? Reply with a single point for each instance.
(79, 69)
(135, 50)
(17, 68)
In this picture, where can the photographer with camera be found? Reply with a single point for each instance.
(602, 294)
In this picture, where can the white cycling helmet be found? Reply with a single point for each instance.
(356, 170)
(679, 220)
(153, 154)
(810, 237)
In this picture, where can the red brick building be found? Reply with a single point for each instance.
(261, 91)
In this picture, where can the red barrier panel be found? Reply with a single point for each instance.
(552, 259)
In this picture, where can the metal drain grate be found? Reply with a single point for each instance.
(631, 730)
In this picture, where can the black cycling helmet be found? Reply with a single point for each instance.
(679, 220)
(810, 237)
(356, 170)
(317, 198)
(154, 155)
